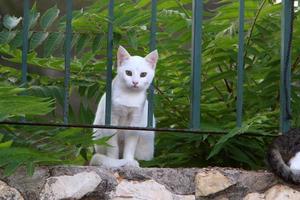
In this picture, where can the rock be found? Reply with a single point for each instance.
(277, 192)
(70, 182)
(149, 189)
(178, 181)
(74, 187)
(211, 182)
(254, 196)
(282, 192)
(256, 181)
(183, 197)
(9, 193)
(29, 186)
(108, 180)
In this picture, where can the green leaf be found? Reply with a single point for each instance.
(30, 168)
(97, 43)
(37, 39)
(54, 92)
(11, 168)
(17, 41)
(3, 116)
(52, 43)
(25, 105)
(6, 144)
(82, 43)
(241, 156)
(49, 17)
(92, 90)
(13, 105)
(222, 141)
(132, 38)
(13, 157)
(86, 58)
(6, 36)
(33, 16)
(219, 76)
(103, 141)
(8, 90)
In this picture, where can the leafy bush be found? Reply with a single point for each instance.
(172, 83)
(32, 145)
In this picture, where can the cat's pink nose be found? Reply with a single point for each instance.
(135, 83)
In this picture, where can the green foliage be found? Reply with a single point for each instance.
(172, 83)
(49, 17)
(31, 146)
(12, 104)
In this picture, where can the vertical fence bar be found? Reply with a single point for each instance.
(196, 64)
(240, 70)
(153, 29)
(25, 40)
(109, 62)
(285, 72)
(67, 59)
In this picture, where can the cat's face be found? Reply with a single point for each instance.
(136, 72)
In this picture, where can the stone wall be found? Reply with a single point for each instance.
(89, 183)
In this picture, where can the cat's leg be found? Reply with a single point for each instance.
(130, 143)
(113, 149)
(99, 120)
(103, 160)
(107, 156)
(145, 146)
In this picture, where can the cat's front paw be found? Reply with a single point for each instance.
(132, 163)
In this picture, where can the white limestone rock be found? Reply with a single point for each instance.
(282, 192)
(9, 193)
(254, 196)
(145, 190)
(74, 187)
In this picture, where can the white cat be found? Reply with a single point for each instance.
(129, 108)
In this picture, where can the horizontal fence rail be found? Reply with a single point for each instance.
(132, 128)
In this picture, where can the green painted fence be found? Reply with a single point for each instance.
(285, 74)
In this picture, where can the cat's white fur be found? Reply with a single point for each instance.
(129, 108)
(295, 163)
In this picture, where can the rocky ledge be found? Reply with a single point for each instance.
(89, 183)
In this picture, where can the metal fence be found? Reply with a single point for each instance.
(195, 125)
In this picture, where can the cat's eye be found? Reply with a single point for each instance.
(143, 74)
(128, 73)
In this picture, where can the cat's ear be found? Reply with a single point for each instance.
(152, 58)
(122, 55)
